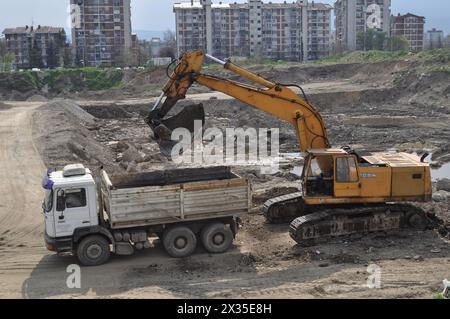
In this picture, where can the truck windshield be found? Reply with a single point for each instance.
(48, 201)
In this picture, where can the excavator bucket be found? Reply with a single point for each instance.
(180, 80)
(163, 128)
(184, 119)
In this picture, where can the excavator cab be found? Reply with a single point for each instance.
(317, 182)
(331, 173)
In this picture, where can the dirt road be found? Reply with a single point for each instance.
(311, 88)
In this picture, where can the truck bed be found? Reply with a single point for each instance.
(164, 197)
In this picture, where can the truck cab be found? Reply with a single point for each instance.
(70, 204)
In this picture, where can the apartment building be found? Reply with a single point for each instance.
(101, 32)
(284, 31)
(40, 46)
(357, 16)
(411, 27)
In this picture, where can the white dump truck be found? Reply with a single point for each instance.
(92, 218)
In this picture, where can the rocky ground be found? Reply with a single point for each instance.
(362, 107)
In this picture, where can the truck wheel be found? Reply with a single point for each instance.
(179, 242)
(93, 251)
(217, 238)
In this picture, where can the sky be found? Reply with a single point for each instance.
(157, 15)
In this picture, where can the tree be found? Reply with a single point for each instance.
(169, 38)
(6, 62)
(125, 58)
(35, 55)
(7, 59)
(3, 49)
(397, 43)
(143, 52)
(52, 58)
(167, 52)
(371, 40)
(169, 45)
(68, 59)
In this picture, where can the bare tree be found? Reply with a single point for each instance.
(169, 38)
(169, 45)
(143, 52)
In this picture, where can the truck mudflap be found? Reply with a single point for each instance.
(58, 245)
(235, 224)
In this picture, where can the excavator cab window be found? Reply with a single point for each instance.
(346, 171)
(318, 182)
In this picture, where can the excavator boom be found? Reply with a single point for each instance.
(274, 98)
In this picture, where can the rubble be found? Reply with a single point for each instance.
(443, 185)
(441, 196)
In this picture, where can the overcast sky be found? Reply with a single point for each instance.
(157, 15)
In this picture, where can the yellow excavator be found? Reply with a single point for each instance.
(343, 191)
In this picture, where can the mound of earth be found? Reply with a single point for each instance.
(37, 98)
(64, 134)
(4, 106)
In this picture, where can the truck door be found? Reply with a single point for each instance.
(72, 211)
(346, 183)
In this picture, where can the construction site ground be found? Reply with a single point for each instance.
(362, 106)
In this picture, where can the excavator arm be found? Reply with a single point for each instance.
(273, 98)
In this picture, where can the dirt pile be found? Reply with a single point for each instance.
(4, 106)
(37, 98)
(74, 111)
(65, 134)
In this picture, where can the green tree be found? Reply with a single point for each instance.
(397, 43)
(3, 49)
(68, 59)
(143, 52)
(6, 62)
(371, 40)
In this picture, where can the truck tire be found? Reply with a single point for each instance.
(93, 251)
(217, 238)
(179, 242)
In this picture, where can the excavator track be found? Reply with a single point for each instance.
(312, 229)
(283, 209)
